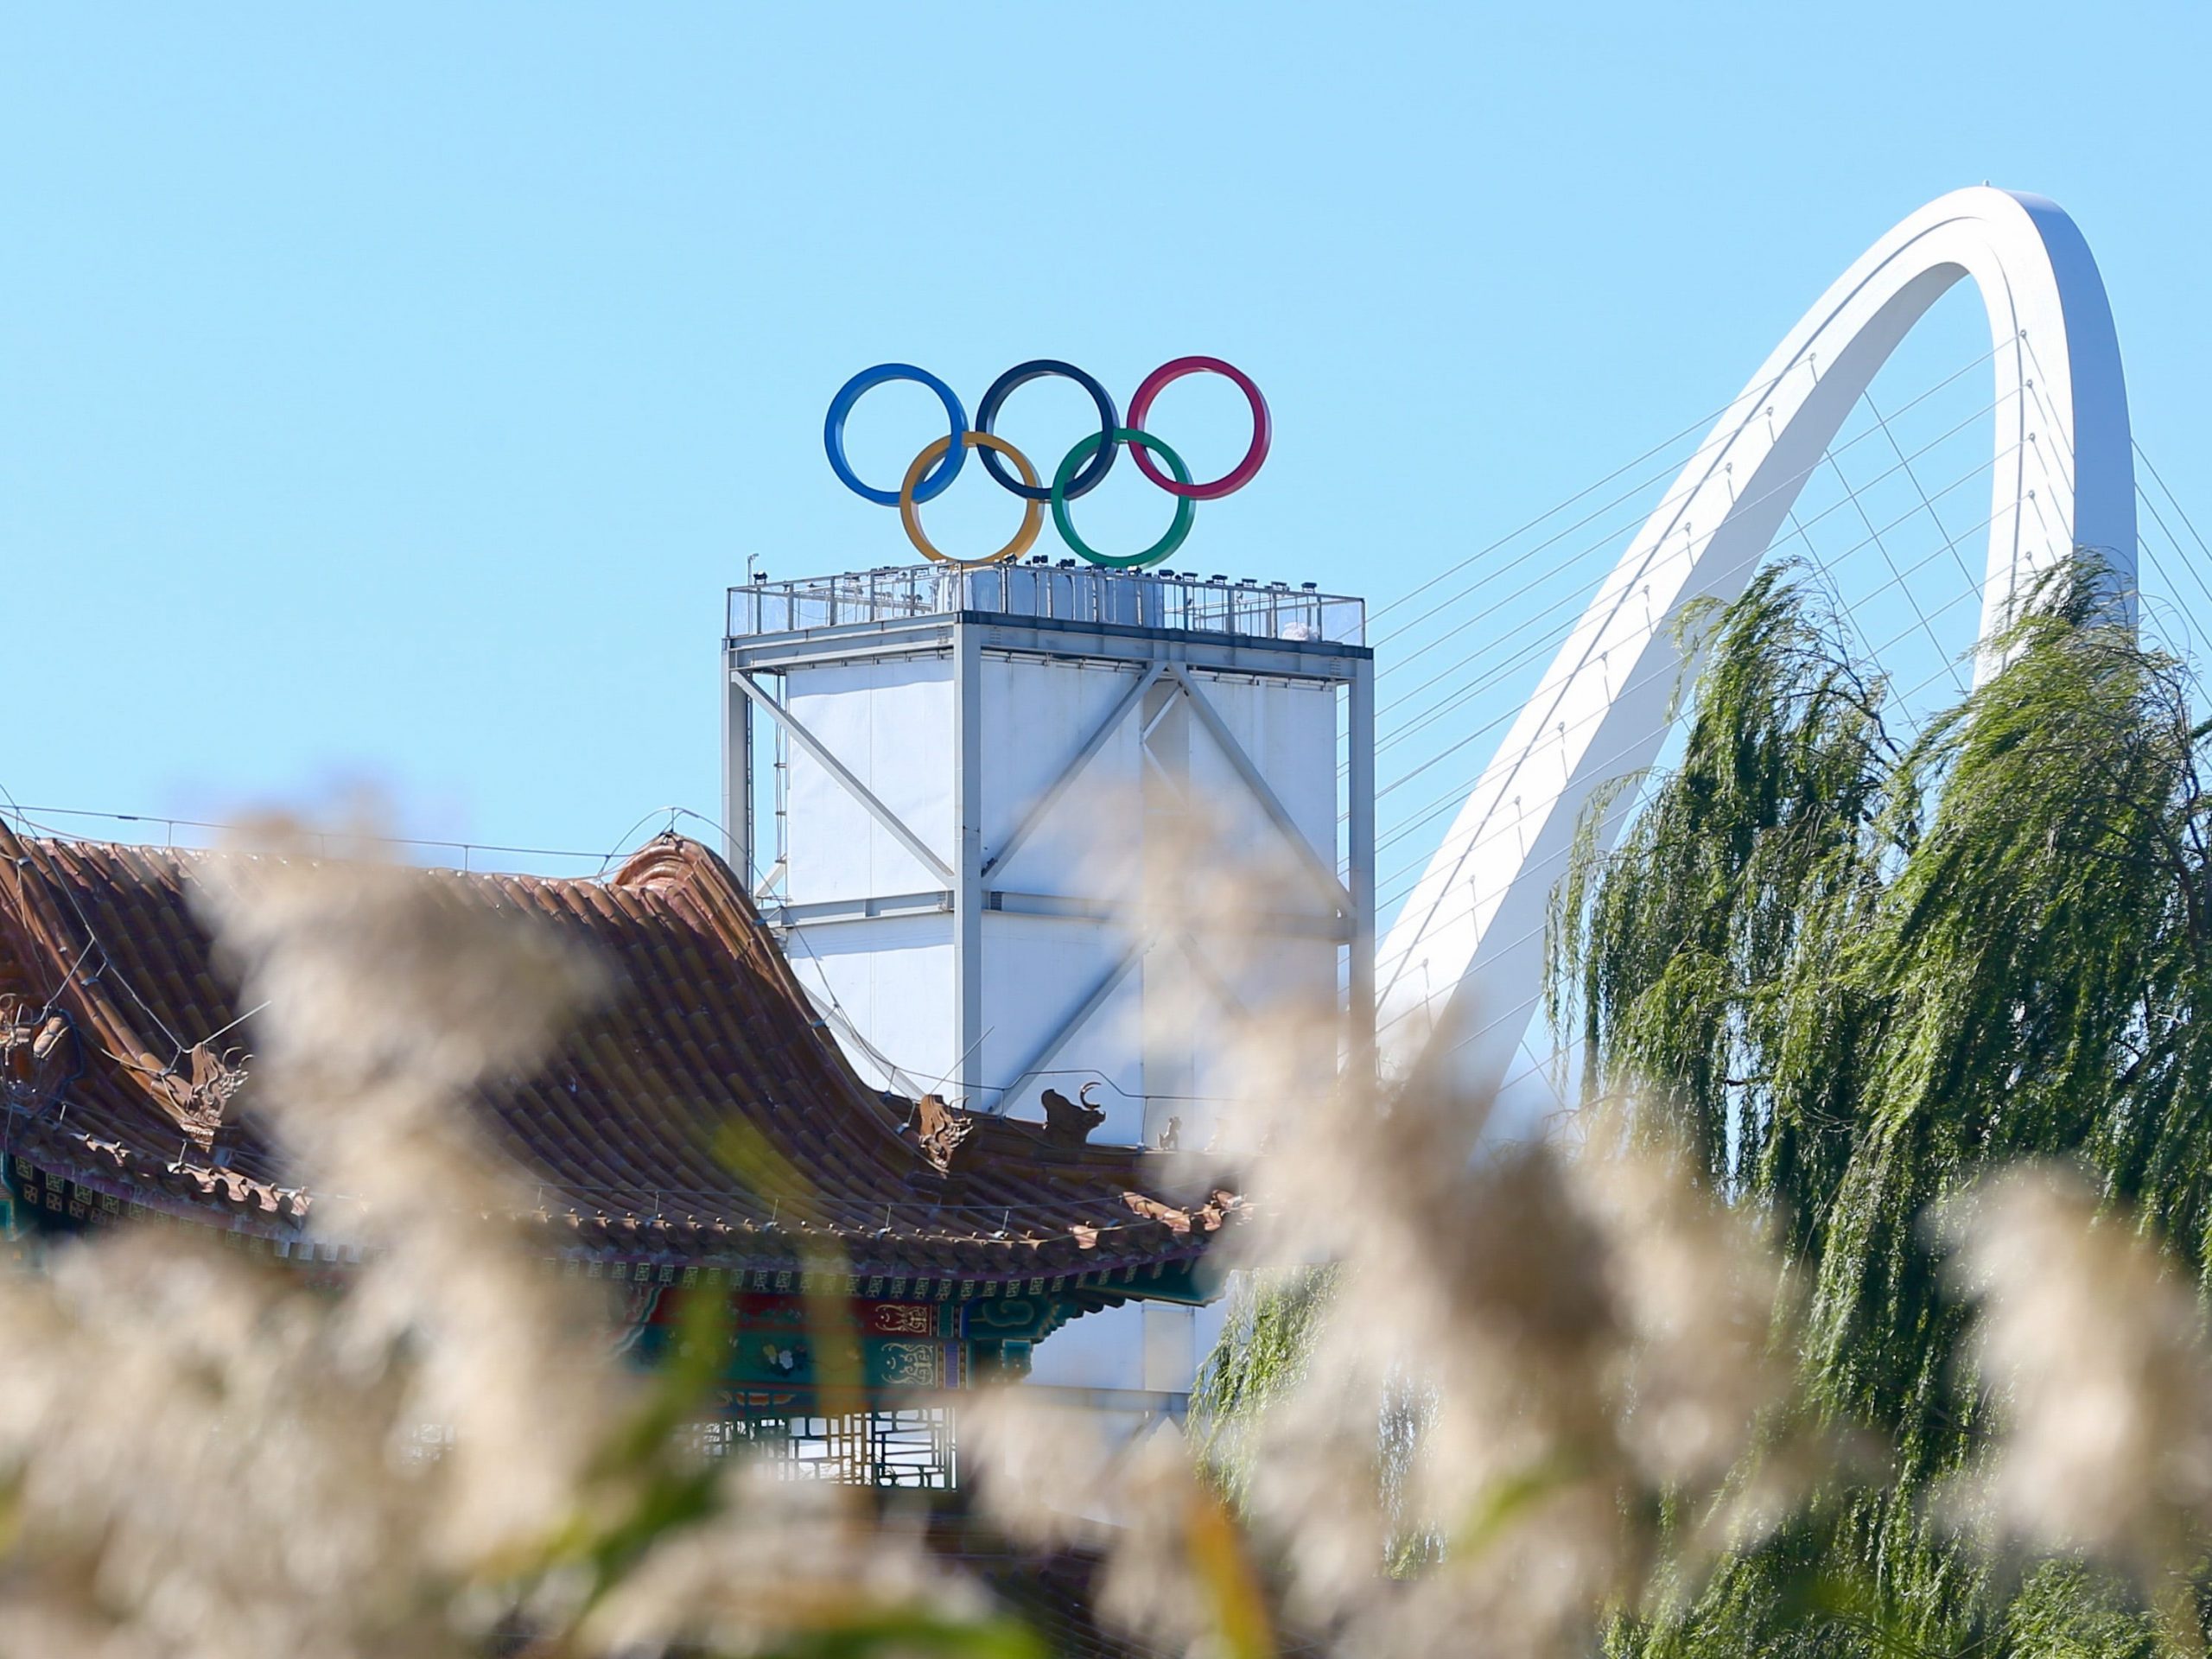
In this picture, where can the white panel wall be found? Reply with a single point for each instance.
(893, 724)
(1036, 715)
(1290, 730)
(891, 979)
(1037, 972)
(1103, 1350)
(890, 724)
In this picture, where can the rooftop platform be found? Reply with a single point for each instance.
(1064, 591)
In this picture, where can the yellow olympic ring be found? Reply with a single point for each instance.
(1033, 512)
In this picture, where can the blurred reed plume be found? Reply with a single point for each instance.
(1539, 1397)
(1520, 1391)
(2092, 1348)
(201, 1456)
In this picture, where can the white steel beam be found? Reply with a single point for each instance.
(1046, 1052)
(1225, 741)
(1058, 907)
(967, 881)
(852, 786)
(739, 849)
(1049, 797)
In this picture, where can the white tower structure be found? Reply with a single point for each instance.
(1461, 971)
(974, 775)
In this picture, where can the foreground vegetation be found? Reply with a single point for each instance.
(1931, 1013)
(1855, 976)
(1861, 1316)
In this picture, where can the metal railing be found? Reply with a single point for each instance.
(1066, 592)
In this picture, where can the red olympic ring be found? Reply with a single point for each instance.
(1238, 476)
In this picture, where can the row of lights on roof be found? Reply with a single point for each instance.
(1241, 581)
(758, 577)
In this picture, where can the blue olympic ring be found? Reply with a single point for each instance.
(833, 432)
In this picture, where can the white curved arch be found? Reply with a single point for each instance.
(1461, 968)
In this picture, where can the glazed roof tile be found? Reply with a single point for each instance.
(617, 1135)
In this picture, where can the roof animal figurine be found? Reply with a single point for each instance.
(940, 1130)
(200, 1096)
(1067, 1123)
(38, 1051)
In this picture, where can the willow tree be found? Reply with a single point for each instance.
(1852, 972)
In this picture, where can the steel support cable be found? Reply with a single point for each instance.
(2180, 511)
(2064, 457)
(1483, 1030)
(32, 818)
(1611, 537)
(2182, 643)
(1645, 681)
(1672, 468)
(1511, 715)
(109, 968)
(1667, 442)
(1538, 931)
(1520, 558)
(1455, 798)
(1638, 490)
(1956, 483)
(1460, 696)
(1930, 392)
(2175, 633)
(892, 1070)
(2063, 451)
(30, 814)
(84, 952)
(1835, 592)
(2189, 564)
(1561, 631)
(1949, 605)
(1607, 542)
(1949, 540)
(1417, 867)
(2143, 542)
(1882, 547)
(1507, 669)
(24, 816)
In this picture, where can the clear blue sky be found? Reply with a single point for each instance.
(390, 392)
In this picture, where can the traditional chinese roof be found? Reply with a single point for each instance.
(124, 1058)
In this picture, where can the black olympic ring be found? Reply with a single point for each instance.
(1093, 471)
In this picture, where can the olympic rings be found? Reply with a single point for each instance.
(1161, 550)
(1263, 429)
(1085, 468)
(833, 431)
(1012, 381)
(1033, 514)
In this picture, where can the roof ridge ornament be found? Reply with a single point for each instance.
(199, 1096)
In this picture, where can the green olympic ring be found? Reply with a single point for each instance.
(1161, 550)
